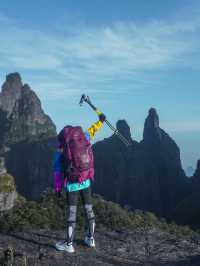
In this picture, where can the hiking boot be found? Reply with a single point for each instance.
(64, 246)
(89, 241)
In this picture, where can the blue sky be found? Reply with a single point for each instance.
(127, 56)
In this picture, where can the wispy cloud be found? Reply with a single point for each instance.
(96, 55)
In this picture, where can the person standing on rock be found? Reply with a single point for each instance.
(74, 161)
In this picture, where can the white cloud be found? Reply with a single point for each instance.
(97, 55)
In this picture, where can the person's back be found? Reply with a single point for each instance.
(74, 161)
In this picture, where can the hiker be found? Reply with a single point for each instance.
(74, 160)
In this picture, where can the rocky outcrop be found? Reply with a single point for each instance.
(21, 112)
(124, 129)
(195, 179)
(8, 194)
(152, 131)
(162, 167)
(33, 168)
(112, 166)
(123, 248)
(27, 135)
(11, 92)
(122, 237)
(188, 210)
(197, 172)
(148, 175)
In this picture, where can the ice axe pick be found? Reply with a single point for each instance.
(86, 99)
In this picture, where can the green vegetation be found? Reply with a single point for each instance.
(176, 229)
(50, 213)
(7, 183)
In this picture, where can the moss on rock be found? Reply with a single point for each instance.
(7, 183)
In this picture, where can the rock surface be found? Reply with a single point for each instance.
(11, 92)
(33, 168)
(148, 175)
(28, 137)
(188, 210)
(21, 112)
(8, 194)
(197, 172)
(127, 248)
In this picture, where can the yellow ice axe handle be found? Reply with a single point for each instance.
(87, 100)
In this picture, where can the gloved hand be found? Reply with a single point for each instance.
(102, 117)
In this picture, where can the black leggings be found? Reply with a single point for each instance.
(72, 202)
(72, 197)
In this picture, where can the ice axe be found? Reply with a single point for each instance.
(86, 99)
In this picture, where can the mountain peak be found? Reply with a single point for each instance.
(153, 118)
(23, 110)
(123, 128)
(151, 126)
(11, 92)
(13, 77)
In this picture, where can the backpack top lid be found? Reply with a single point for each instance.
(68, 133)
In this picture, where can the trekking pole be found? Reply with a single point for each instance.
(86, 99)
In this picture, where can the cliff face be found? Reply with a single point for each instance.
(21, 112)
(27, 135)
(195, 179)
(8, 194)
(188, 210)
(197, 172)
(148, 175)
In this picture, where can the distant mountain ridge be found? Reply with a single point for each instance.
(148, 175)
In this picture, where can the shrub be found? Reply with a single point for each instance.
(51, 213)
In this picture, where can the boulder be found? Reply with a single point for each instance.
(8, 194)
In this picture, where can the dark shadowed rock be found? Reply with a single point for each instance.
(148, 175)
(124, 129)
(28, 135)
(152, 131)
(195, 179)
(197, 172)
(21, 112)
(33, 168)
(112, 166)
(188, 210)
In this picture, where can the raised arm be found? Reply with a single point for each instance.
(96, 126)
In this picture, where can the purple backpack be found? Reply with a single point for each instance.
(78, 155)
